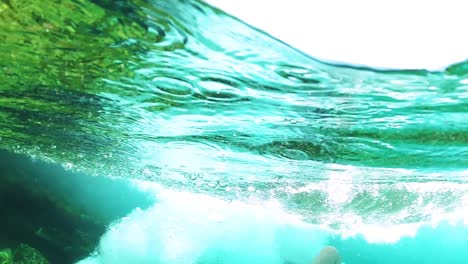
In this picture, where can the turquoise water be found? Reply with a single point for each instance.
(255, 152)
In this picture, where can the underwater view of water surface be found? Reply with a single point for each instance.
(159, 131)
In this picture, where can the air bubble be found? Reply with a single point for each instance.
(68, 166)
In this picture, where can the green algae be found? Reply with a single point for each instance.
(51, 69)
(25, 254)
(51, 47)
(6, 256)
(58, 58)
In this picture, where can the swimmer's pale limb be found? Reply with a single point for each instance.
(328, 255)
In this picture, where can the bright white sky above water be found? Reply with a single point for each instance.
(411, 34)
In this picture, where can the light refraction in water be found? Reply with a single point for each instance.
(189, 97)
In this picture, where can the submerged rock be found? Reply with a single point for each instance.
(25, 254)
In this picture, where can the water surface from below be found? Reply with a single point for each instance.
(184, 96)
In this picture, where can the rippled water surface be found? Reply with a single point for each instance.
(179, 93)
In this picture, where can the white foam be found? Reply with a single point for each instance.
(184, 227)
(192, 228)
(384, 234)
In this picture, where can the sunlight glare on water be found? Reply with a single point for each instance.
(386, 34)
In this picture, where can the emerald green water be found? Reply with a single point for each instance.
(181, 94)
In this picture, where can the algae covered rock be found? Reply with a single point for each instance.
(25, 254)
(6, 257)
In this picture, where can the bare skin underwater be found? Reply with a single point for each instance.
(328, 255)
